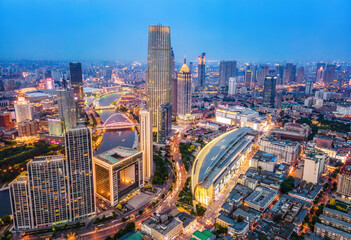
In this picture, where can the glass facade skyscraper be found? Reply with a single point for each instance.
(227, 69)
(67, 107)
(159, 69)
(76, 77)
(184, 90)
(164, 122)
(201, 70)
(270, 83)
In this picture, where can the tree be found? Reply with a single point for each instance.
(6, 219)
(259, 169)
(287, 185)
(140, 212)
(124, 219)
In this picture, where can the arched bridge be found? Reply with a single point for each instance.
(118, 121)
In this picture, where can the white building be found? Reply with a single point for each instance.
(23, 110)
(232, 88)
(146, 142)
(315, 162)
(286, 151)
(343, 111)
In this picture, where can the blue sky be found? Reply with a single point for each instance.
(245, 30)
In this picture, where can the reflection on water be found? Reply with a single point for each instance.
(115, 138)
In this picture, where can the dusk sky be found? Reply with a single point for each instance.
(244, 30)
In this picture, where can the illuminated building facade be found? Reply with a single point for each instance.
(23, 110)
(248, 79)
(76, 78)
(27, 128)
(217, 162)
(159, 69)
(79, 157)
(201, 70)
(55, 127)
(146, 142)
(6, 120)
(232, 87)
(289, 75)
(320, 72)
(227, 69)
(118, 172)
(184, 90)
(67, 107)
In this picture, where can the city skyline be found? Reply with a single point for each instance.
(225, 31)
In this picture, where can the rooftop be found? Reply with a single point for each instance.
(162, 224)
(264, 156)
(261, 196)
(334, 230)
(117, 154)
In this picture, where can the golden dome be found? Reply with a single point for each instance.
(184, 69)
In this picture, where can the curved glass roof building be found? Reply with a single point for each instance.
(217, 162)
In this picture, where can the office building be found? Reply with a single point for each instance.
(300, 74)
(315, 162)
(162, 227)
(270, 83)
(146, 143)
(253, 69)
(329, 74)
(79, 157)
(227, 69)
(159, 69)
(164, 125)
(248, 79)
(320, 72)
(23, 110)
(6, 120)
(309, 87)
(27, 128)
(344, 180)
(279, 99)
(217, 162)
(201, 74)
(279, 71)
(264, 71)
(118, 172)
(55, 127)
(289, 75)
(232, 88)
(76, 78)
(67, 107)
(286, 151)
(184, 90)
(21, 204)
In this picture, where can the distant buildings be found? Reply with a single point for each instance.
(201, 71)
(289, 75)
(320, 72)
(159, 70)
(227, 69)
(248, 79)
(232, 87)
(309, 87)
(300, 74)
(211, 172)
(270, 83)
(329, 74)
(184, 90)
(164, 122)
(264, 71)
(344, 180)
(118, 172)
(146, 142)
(76, 78)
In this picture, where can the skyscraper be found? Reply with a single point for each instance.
(309, 87)
(319, 72)
(76, 77)
(67, 107)
(248, 79)
(164, 119)
(279, 99)
(184, 90)
(269, 91)
(79, 157)
(201, 70)
(227, 69)
(174, 85)
(300, 74)
(253, 69)
(159, 69)
(232, 86)
(279, 70)
(146, 142)
(23, 110)
(329, 74)
(264, 71)
(289, 75)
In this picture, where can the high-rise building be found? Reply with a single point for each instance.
(279, 71)
(309, 87)
(174, 96)
(79, 157)
(232, 88)
(320, 72)
(253, 69)
(227, 69)
(159, 69)
(48, 190)
(329, 74)
(146, 142)
(76, 77)
(270, 83)
(264, 71)
(289, 75)
(184, 90)
(344, 180)
(23, 110)
(248, 79)
(55, 127)
(201, 70)
(315, 162)
(279, 99)
(27, 128)
(164, 119)
(300, 74)
(67, 107)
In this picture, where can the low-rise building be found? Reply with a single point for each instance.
(261, 198)
(162, 227)
(264, 160)
(329, 232)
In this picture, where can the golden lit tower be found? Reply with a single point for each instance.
(159, 69)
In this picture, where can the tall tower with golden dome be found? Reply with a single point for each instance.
(184, 90)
